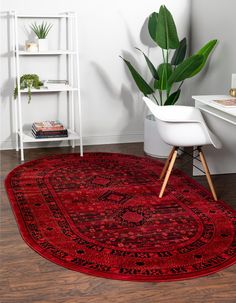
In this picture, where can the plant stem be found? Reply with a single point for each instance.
(163, 54)
(160, 93)
(155, 99)
(167, 61)
(168, 92)
(29, 93)
(181, 85)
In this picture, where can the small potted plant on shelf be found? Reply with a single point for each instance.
(166, 78)
(28, 81)
(41, 31)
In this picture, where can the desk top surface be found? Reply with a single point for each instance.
(209, 100)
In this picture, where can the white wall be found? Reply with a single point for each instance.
(214, 19)
(111, 106)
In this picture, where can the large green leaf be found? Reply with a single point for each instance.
(180, 53)
(173, 98)
(185, 69)
(205, 51)
(150, 65)
(143, 86)
(152, 26)
(166, 33)
(164, 72)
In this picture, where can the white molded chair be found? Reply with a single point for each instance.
(182, 126)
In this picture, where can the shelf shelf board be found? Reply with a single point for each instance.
(28, 137)
(49, 90)
(46, 53)
(43, 16)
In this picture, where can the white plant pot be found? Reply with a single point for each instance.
(153, 144)
(43, 45)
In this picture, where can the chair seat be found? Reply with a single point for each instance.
(186, 134)
(180, 125)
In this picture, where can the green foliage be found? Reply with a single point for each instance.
(180, 53)
(143, 86)
(41, 30)
(205, 51)
(173, 98)
(166, 33)
(164, 72)
(150, 65)
(27, 82)
(186, 69)
(152, 26)
(175, 67)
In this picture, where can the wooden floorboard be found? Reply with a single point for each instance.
(26, 277)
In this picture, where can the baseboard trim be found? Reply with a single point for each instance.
(87, 140)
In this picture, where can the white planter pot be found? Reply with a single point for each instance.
(153, 144)
(43, 45)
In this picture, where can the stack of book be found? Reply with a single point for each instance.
(56, 84)
(49, 129)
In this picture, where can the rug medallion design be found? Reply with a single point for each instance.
(100, 214)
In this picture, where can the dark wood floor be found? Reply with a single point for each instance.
(26, 277)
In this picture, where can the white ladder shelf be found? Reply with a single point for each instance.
(72, 55)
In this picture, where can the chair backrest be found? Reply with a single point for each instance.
(180, 125)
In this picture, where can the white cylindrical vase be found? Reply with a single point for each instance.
(153, 144)
(43, 45)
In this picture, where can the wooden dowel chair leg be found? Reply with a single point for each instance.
(206, 169)
(167, 163)
(172, 162)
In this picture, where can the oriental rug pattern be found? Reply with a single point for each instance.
(100, 214)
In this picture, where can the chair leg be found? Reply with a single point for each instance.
(167, 163)
(206, 169)
(172, 162)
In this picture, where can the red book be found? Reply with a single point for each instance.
(48, 126)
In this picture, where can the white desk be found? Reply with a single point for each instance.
(222, 122)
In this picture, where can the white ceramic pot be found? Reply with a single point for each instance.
(153, 144)
(43, 45)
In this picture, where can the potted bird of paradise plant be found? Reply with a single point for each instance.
(168, 77)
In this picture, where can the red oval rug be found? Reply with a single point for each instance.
(100, 214)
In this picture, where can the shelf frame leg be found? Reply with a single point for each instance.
(13, 26)
(78, 84)
(18, 85)
(71, 78)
